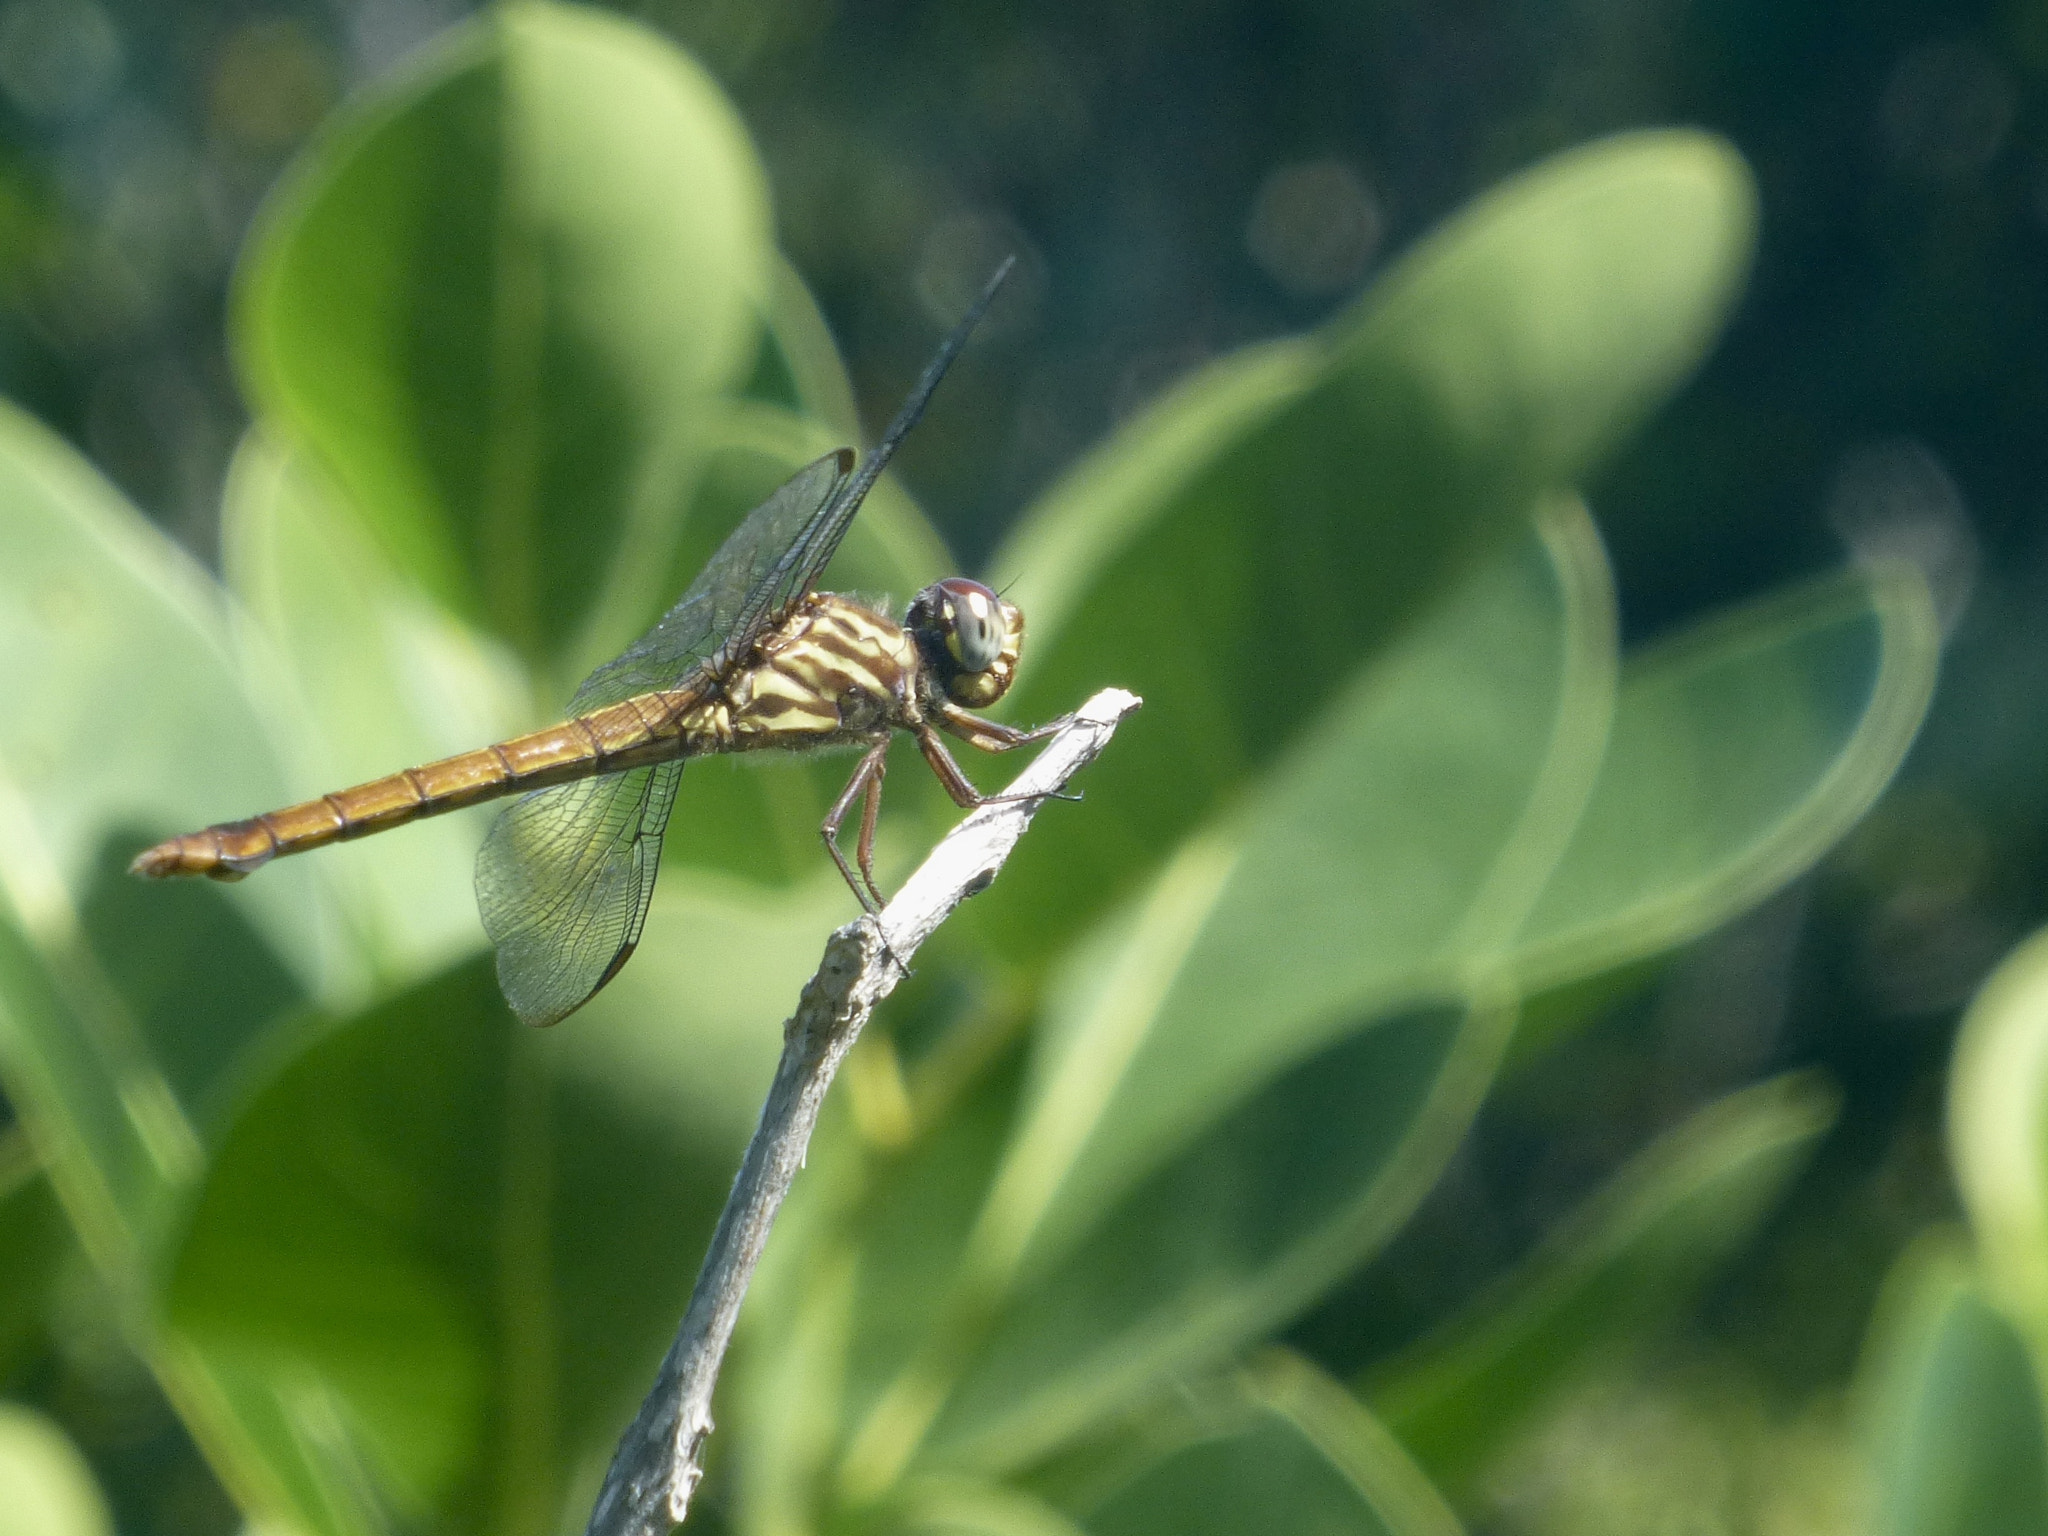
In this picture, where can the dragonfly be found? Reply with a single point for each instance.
(751, 658)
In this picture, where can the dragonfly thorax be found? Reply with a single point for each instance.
(969, 639)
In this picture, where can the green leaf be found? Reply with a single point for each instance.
(1952, 1412)
(495, 296)
(1998, 1136)
(1403, 839)
(1235, 1235)
(473, 1241)
(1237, 553)
(122, 717)
(1293, 1453)
(123, 712)
(965, 1507)
(1742, 750)
(1622, 1263)
(384, 680)
(1160, 1201)
(46, 1488)
(122, 1127)
(799, 368)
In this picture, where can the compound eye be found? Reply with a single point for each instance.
(974, 627)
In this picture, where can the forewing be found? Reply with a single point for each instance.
(563, 883)
(730, 595)
(786, 579)
(775, 555)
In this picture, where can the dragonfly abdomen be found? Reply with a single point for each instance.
(649, 728)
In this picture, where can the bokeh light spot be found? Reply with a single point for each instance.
(271, 83)
(59, 59)
(1314, 227)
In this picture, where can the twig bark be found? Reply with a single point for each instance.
(659, 1460)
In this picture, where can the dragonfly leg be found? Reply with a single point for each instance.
(991, 735)
(866, 778)
(870, 812)
(964, 794)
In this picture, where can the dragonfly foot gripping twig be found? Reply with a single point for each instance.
(660, 1458)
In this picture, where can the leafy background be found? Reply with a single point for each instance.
(1471, 1062)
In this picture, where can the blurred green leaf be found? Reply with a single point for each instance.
(125, 1149)
(1624, 1261)
(472, 1240)
(120, 1144)
(1298, 1454)
(46, 1488)
(799, 367)
(1237, 553)
(123, 715)
(386, 681)
(1998, 1136)
(1405, 834)
(495, 296)
(965, 1507)
(1953, 1414)
(864, 1251)
(1177, 1181)
(1742, 750)
(1244, 1227)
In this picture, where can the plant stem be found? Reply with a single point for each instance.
(659, 1460)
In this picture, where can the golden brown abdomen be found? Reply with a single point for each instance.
(649, 728)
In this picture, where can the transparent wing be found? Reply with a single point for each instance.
(564, 878)
(563, 883)
(733, 597)
(773, 558)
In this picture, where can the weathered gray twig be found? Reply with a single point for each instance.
(658, 1462)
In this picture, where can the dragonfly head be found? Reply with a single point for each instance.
(969, 638)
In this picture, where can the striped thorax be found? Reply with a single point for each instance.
(835, 672)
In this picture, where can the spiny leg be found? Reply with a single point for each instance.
(870, 812)
(964, 794)
(991, 735)
(958, 785)
(869, 772)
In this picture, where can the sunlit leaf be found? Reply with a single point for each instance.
(123, 712)
(46, 1487)
(1742, 750)
(1407, 834)
(1235, 554)
(124, 1133)
(1998, 1135)
(1953, 1414)
(494, 297)
(384, 679)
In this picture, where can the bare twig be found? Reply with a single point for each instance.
(658, 1463)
